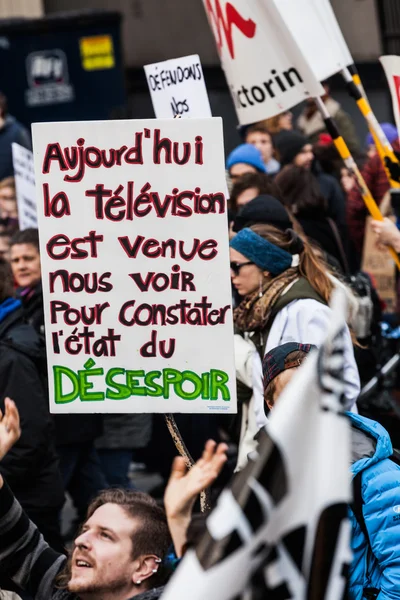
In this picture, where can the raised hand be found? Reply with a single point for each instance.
(184, 485)
(10, 430)
(387, 233)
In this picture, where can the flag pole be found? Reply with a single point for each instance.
(383, 146)
(351, 164)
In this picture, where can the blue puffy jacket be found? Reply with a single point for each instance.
(376, 564)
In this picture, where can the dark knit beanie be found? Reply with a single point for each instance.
(263, 209)
(289, 144)
(274, 360)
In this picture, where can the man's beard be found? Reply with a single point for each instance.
(97, 587)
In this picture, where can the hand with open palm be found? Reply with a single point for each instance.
(10, 430)
(185, 485)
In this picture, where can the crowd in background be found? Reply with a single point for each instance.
(296, 225)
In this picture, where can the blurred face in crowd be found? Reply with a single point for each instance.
(241, 169)
(371, 152)
(346, 179)
(247, 278)
(262, 141)
(25, 263)
(102, 564)
(5, 247)
(8, 203)
(305, 157)
(286, 121)
(280, 382)
(246, 196)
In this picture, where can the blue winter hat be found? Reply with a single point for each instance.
(390, 131)
(248, 154)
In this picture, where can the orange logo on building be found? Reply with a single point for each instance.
(223, 24)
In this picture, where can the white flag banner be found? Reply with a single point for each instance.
(135, 266)
(264, 74)
(24, 172)
(391, 65)
(327, 14)
(177, 88)
(314, 27)
(282, 526)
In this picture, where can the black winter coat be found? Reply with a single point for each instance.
(70, 429)
(31, 467)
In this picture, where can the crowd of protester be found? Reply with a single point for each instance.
(296, 228)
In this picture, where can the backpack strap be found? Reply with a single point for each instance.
(339, 245)
(357, 504)
(395, 456)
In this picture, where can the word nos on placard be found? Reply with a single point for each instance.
(80, 157)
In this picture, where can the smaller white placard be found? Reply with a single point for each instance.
(177, 88)
(24, 173)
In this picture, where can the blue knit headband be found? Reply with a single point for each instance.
(262, 253)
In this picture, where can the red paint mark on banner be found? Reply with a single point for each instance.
(396, 79)
(224, 23)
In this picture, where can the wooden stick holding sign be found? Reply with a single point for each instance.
(205, 504)
(351, 164)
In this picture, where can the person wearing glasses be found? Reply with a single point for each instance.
(285, 290)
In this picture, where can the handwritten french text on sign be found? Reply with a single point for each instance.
(265, 75)
(177, 87)
(135, 264)
(25, 186)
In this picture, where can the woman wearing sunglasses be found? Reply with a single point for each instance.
(286, 289)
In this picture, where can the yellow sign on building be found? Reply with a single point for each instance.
(97, 52)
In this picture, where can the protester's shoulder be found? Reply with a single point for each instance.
(153, 594)
(308, 306)
(381, 477)
(306, 312)
(15, 127)
(21, 337)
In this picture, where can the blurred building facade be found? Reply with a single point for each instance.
(155, 30)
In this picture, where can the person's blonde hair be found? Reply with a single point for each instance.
(311, 266)
(272, 124)
(7, 182)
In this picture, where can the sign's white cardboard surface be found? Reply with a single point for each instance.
(135, 263)
(25, 186)
(177, 88)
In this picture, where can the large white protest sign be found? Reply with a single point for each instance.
(391, 65)
(313, 25)
(177, 87)
(135, 264)
(25, 186)
(264, 75)
(281, 530)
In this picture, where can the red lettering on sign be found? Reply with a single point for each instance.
(224, 23)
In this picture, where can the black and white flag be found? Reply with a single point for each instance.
(281, 530)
